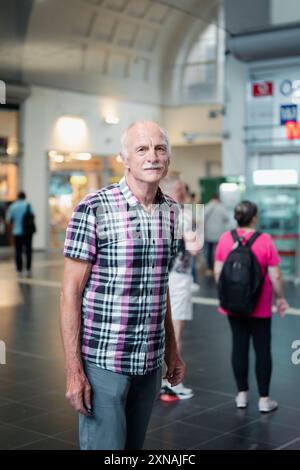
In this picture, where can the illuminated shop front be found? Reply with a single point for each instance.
(73, 175)
(9, 166)
(273, 158)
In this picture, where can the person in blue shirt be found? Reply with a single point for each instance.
(15, 215)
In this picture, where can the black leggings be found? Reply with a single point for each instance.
(260, 330)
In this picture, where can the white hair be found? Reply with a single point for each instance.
(124, 137)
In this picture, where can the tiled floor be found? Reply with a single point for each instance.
(35, 415)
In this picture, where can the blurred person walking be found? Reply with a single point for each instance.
(192, 199)
(216, 219)
(21, 215)
(239, 253)
(180, 275)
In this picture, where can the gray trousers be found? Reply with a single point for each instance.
(121, 409)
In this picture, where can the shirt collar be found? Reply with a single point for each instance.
(133, 200)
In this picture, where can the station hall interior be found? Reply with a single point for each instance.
(223, 78)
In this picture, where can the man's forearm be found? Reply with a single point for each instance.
(76, 274)
(70, 328)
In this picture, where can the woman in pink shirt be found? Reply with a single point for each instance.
(258, 324)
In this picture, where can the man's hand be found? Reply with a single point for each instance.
(175, 367)
(78, 391)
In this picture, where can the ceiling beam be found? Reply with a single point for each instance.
(120, 16)
(111, 47)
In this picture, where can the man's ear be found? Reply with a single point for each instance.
(124, 160)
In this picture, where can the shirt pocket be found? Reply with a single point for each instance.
(111, 228)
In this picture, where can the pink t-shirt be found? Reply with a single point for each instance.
(266, 254)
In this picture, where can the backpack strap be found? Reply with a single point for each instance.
(234, 235)
(250, 242)
(29, 210)
(253, 237)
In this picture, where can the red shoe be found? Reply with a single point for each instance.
(167, 395)
(168, 398)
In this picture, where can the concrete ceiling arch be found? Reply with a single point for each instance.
(121, 48)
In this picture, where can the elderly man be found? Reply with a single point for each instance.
(115, 310)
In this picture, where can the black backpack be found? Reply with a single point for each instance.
(29, 227)
(241, 278)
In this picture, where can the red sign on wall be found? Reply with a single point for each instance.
(292, 130)
(262, 89)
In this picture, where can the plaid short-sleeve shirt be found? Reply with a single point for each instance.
(124, 301)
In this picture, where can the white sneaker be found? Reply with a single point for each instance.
(265, 405)
(241, 400)
(182, 392)
(165, 383)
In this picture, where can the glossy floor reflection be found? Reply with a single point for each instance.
(35, 415)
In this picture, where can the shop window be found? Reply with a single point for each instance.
(73, 176)
(9, 146)
(9, 170)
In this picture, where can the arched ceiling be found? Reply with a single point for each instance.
(110, 47)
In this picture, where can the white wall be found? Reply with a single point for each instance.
(196, 161)
(39, 115)
(287, 11)
(192, 120)
(233, 155)
(202, 156)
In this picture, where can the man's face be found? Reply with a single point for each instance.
(148, 155)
